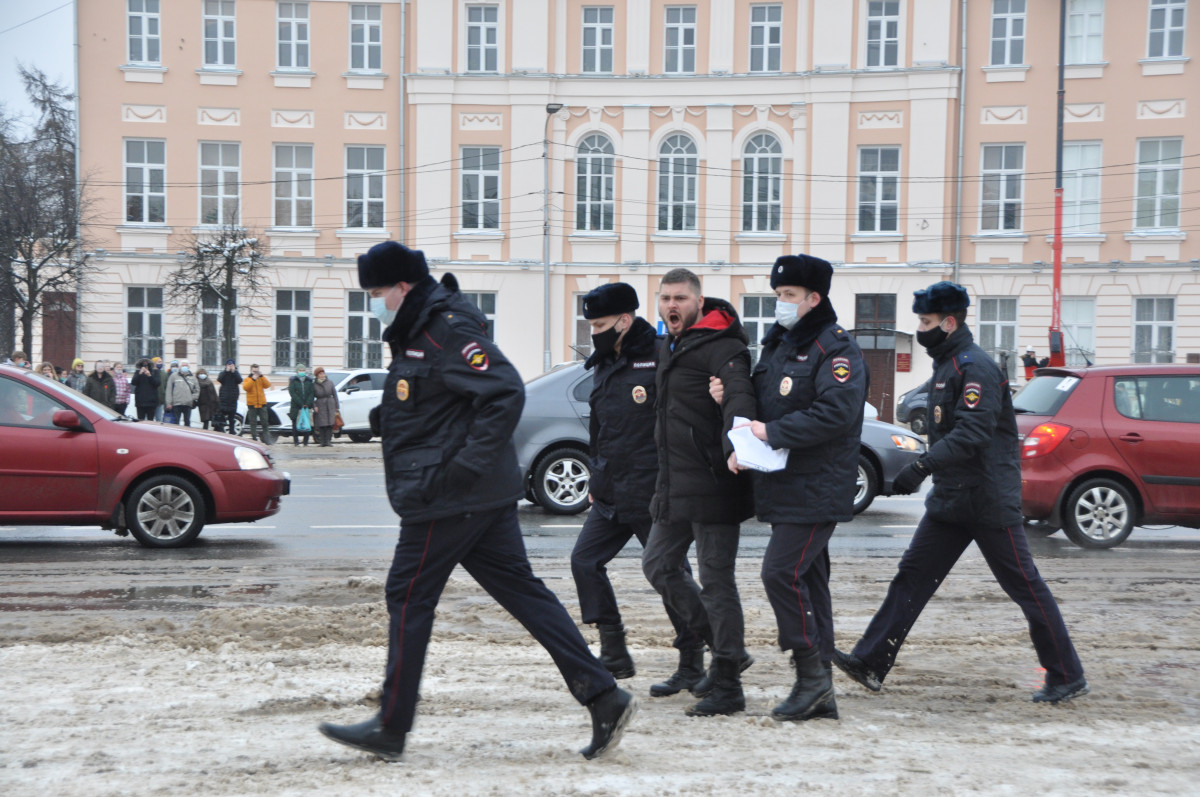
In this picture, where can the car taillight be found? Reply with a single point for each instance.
(1043, 439)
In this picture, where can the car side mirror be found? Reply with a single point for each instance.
(67, 419)
(351, 389)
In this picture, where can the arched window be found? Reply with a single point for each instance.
(595, 167)
(762, 184)
(677, 192)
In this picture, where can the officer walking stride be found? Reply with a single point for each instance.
(450, 403)
(696, 498)
(624, 464)
(811, 384)
(974, 459)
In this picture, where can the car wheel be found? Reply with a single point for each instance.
(165, 512)
(917, 422)
(1039, 528)
(1100, 513)
(235, 425)
(560, 481)
(866, 484)
(360, 437)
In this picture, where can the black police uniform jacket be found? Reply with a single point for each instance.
(623, 456)
(811, 385)
(694, 483)
(450, 398)
(974, 451)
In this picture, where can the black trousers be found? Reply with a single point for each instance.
(795, 573)
(489, 546)
(712, 611)
(145, 413)
(599, 541)
(934, 549)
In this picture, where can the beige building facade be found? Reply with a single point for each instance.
(716, 135)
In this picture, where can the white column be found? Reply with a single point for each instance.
(718, 183)
(636, 215)
(435, 36)
(530, 37)
(833, 32)
(721, 36)
(828, 191)
(929, 132)
(433, 188)
(639, 26)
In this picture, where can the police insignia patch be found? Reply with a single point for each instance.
(639, 395)
(972, 393)
(785, 386)
(937, 414)
(841, 368)
(475, 356)
(402, 390)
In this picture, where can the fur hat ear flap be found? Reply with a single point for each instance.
(450, 282)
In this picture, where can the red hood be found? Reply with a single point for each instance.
(714, 319)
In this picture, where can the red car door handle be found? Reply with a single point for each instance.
(1132, 437)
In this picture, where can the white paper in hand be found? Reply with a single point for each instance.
(752, 452)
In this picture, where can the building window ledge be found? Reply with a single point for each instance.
(143, 228)
(1000, 237)
(876, 237)
(479, 235)
(1172, 65)
(752, 237)
(218, 76)
(143, 73)
(363, 232)
(365, 80)
(1006, 73)
(676, 237)
(1089, 70)
(296, 231)
(594, 236)
(293, 78)
(1159, 234)
(1080, 238)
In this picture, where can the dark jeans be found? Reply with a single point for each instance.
(120, 408)
(183, 414)
(146, 413)
(795, 574)
(600, 540)
(324, 435)
(257, 417)
(934, 549)
(713, 611)
(489, 546)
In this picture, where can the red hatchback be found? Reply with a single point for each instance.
(68, 460)
(1108, 448)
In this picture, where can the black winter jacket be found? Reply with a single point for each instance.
(623, 456)
(974, 453)
(231, 386)
(145, 388)
(450, 403)
(694, 483)
(810, 383)
(102, 388)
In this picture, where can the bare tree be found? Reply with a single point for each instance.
(42, 210)
(223, 277)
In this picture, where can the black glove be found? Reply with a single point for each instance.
(910, 477)
(456, 478)
(373, 417)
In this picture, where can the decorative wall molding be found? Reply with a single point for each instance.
(143, 113)
(880, 120)
(1003, 115)
(1161, 109)
(1083, 112)
(292, 118)
(368, 120)
(219, 116)
(480, 121)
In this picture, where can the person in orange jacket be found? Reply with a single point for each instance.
(256, 386)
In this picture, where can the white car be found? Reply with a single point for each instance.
(359, 391)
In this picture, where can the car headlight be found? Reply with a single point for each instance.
(249, 459)
(908, 443)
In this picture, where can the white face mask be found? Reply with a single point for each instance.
(380, 310)
(786, 314)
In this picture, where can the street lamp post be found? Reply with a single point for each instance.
(551, 109)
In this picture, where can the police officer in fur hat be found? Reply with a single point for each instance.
(624, 465)
(974, 458)
(811, 385)
(450, 403)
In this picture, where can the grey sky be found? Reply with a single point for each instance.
(46, 43)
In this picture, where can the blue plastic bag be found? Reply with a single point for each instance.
(304, 421)
(168, 416)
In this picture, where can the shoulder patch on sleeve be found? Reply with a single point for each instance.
(475, 355)
(841, 368)
(972, 393)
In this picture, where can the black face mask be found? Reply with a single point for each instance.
(931, 338)
(606, 341)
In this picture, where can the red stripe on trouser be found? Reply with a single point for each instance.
(796, 587)
(387, 715)
(1046, 619)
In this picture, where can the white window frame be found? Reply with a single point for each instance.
(766, 38)
(220, 33)
(1078, 316)
(364, 332)
(368, 180)
(294, 178)
(581, 330)
(145, 16)
(291, 35)
(1085, 32)
(997, 326)
(1159, 325)
(220, 181)
(483, 24)
(1013, 35)
(758, 316)
(151, 179)
(1082, 171)
(149, 315)
(294, 348)
(1160, 209)
(1166, 37)
(485, 195)
(485, 303)
(878, 189)
(679, 40)
(762, 184)
(595, 184)
(366, 37)
(1009, 180)
(882, 33)
(678, 184)
(596, 40)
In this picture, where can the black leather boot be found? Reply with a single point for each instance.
(1060, 693)
(858, 670)
(705, 685)
(812, 696)
(613, 653)
(726, 696)
(691, 670)
(611, 713)
(370, 736)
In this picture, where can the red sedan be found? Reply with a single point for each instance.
(68, 460)
(1108, 448)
